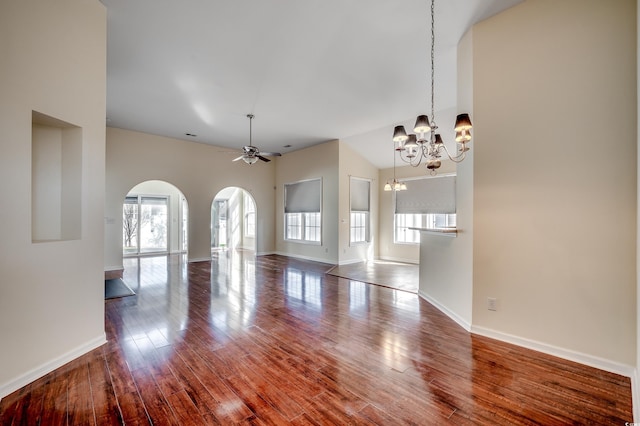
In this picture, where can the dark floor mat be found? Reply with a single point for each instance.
(115, 288)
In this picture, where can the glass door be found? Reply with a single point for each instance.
(219, 224)
(130, 218)
(145, 221)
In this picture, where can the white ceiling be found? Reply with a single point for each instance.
(310, 70)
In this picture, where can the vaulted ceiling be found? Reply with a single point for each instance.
(310, 70)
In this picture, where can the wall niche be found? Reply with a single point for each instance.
(56, 179)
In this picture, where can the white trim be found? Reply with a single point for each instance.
(49, 366)
(199, 259)
(114, 268)
(448, 312)
(635, 395)
(351, 262)
(399, 259)
(568, 354)
(265, 253)
(313, 259)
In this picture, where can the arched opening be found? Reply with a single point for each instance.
(233, 220)
(155, 218)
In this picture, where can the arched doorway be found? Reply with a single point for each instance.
(154, 219)
(233, 220)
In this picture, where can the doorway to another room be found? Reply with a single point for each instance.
(154, 220)
(233, 221)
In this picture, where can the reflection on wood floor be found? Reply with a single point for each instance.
(400, 276)
(274, 340)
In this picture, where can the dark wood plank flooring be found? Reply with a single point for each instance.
(273, 340)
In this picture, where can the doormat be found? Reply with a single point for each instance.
(115, 288)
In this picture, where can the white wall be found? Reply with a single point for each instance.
(554, 93)
(51, 293)
(353, 164)
(319, 161)
(199, 171)
(446, 264)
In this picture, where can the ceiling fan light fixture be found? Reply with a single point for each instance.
(251, 154)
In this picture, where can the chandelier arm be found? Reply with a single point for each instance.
(457, 158)
(410, 160)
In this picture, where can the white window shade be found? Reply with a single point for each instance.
(428, 195)
(303, 197)
(360, 190)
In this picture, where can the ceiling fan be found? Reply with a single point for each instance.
(250, 153)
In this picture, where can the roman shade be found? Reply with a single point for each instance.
(428, 195)
(303, 197)
(360, 195)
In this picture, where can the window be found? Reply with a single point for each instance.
(249, 216)
(302, 216)
(404, 235)
(359, 197)
(427, 203)
(359, 227)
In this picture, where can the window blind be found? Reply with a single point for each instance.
(428, 195)
(303, 197)
(360, 195)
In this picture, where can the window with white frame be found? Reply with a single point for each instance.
(302, 211)
(360, 201)
(249, 216)
(403, 222)
(428, 203)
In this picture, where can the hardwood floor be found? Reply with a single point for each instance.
(396, 275)
(273, 340)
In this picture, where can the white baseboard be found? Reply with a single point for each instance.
(34, 374)
(635, 395)
(199, 259)
(265, 253)
(114, 268)
(458, 319)
(399, 260)
(313, 259)
(568, 354)
(351, 262)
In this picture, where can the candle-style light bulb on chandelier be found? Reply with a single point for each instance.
(425, 144)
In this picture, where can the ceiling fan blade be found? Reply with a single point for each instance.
(270, 154)
(263, 158)
(239, 158)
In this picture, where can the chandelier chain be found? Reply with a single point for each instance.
(425, 143)
(433, 38)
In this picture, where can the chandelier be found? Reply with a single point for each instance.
(425, 144)
(395, 184)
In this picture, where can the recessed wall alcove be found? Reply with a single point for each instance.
(56, 179)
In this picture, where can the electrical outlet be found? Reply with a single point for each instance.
(492, 303)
